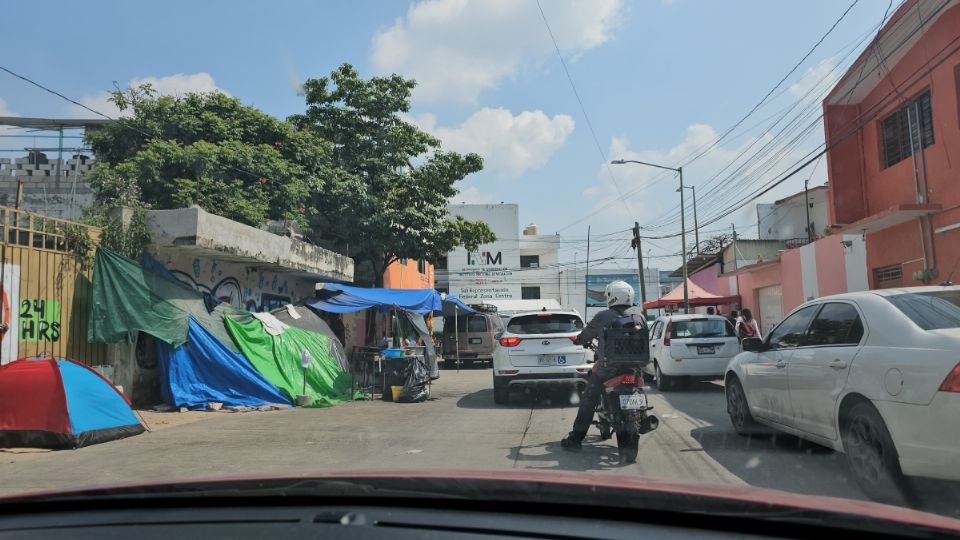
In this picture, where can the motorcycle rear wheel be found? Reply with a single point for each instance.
(628, 442)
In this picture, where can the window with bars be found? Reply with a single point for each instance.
(887, 277)
(914, 118)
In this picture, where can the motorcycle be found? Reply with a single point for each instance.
(623, 410)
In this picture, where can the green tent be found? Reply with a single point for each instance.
(127, 298)
(278, 359)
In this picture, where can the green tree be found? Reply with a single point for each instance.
(208, 149)
(392, 203)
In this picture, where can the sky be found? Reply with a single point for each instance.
(657, 80)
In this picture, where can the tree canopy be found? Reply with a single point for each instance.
(351, 170)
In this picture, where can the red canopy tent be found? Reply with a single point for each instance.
(696, 294)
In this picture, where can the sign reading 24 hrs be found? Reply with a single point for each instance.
(39, 320)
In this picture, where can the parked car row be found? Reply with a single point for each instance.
(874, 375)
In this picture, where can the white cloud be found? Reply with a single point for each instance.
(510, 144)
(472, 195)
(816, 81)
(178, 84)
(4, 111)
(455, 49)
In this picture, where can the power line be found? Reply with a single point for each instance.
(583, 109)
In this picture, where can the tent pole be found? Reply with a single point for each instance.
(456, 333)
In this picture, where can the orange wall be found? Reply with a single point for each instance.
(406, 276)
(861, 187)
(831, 270)
(792, 274)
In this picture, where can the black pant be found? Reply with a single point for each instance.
(588, 402)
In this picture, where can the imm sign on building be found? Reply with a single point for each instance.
(489, 273)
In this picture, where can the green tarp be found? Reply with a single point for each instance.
(126, 299)
(278, 359)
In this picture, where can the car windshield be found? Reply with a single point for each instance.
(302, 237)
(545, 323)
(930, 310)
(701, 328)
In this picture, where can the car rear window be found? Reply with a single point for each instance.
(546, 323)
(930, 310)
(700, 328)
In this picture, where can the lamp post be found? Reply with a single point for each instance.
(696, 227)
(683, 225)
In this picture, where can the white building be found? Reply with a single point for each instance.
(786, 219)
(514, 267)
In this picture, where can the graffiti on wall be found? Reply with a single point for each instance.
(207, 277)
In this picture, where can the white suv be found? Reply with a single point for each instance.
(537, 349)
(690, 347)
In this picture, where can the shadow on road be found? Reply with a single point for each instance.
(543, 399)
(593, 457)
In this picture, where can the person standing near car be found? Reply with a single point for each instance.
(619, 296)
(746, 326)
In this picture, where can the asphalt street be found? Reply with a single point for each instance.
(459, 428)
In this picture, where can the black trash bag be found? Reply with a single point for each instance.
(416, 378)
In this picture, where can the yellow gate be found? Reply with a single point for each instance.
(46, 265)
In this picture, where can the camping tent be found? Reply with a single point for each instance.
(305, 319)
(59, 403)
(696, 295)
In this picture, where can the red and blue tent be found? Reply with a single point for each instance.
(59, 403)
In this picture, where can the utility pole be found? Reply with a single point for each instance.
(806, 196)
(560, 287)
(734, 227)
(586, 277)
(643, 282)
(683, 245)
(696, 226)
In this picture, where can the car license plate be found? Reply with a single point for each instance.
(706, 349)
(552, 360)
(633, 402)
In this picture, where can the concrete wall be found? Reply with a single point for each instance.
(193, 227)
(64, 196)
(747, 252)
(241, 285)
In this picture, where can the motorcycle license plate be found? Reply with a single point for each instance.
(552, 360)
(708, 349)
(633, 402)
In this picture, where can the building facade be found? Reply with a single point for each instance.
(787, 218)
(409, 274)
(893, 131)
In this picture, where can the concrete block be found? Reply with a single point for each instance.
(22, 160)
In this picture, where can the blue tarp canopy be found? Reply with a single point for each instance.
(334, 298)
(204, 370)
(452, 306)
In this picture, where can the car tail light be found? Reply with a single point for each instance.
(574, 339)
(666, 334)
(582, 369)
(629, 379)
(952, 382)
(508, 371)
(509, 341)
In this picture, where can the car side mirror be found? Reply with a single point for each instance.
(753, 344)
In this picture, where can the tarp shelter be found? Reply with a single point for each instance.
(204, 370)
(306, 319)
(335, 298)
(697, 297)
(127, 299)
(59, 403)
(277, 357)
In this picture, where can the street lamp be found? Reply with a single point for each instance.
(696, 228)
(683, 225)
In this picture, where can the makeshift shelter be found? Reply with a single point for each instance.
(204, 370)
(277, 356)
(697, 297)
(306, 319)
(59, 403)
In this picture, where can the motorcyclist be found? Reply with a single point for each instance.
(619, 296)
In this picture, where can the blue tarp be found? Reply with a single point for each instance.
(204, 370)
(344, 299)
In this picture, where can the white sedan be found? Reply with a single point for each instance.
(688, 347)
(873, 374)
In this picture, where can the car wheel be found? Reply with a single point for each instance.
(665, 383)
(501, 392)
(739, 409)
(871, 455)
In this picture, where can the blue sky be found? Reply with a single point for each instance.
(657, 78)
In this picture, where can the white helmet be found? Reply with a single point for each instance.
(619, 293)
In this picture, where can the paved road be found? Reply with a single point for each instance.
(459, 428)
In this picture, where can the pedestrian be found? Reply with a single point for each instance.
(747, 326)
(732, 317)
(711, 311)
